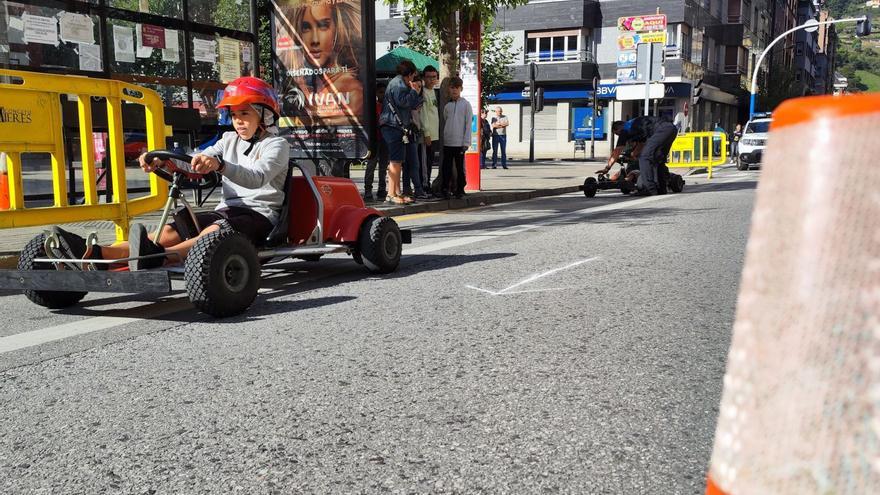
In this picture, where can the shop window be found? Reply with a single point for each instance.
(166, 8)
(230, 14)
(49, 38)
(151, 56)
(217, 60)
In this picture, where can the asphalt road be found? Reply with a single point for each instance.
(560, 344)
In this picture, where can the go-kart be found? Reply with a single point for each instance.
(625, 178)
(319, 216)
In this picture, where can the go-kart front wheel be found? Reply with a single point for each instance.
(47, 298)
(591, 185)
(222, 273)
(380, 244)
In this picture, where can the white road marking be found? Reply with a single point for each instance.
(531, 279)
(155, 310)
(463, 241)
(36, 337)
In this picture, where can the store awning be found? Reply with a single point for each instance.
(389, 61)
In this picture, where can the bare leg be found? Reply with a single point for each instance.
(120, 250)
(182, 248)
(394, 178)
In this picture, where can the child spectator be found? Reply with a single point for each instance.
(456, 137)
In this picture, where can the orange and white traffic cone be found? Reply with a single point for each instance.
(800, 411)
(4, 183)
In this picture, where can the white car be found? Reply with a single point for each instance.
(752, 143)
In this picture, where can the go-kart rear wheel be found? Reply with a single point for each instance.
(590, 187)
(47, 298)
(676, 183)
(222, 273)
(626, 187)
(380, 244)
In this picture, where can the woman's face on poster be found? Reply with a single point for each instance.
(318, 32)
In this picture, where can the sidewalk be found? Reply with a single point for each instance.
(521, 181)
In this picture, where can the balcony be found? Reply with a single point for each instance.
(573, 70)
(561, 56)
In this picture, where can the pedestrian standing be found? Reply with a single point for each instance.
(457, 115)
(499, 137)
(379, 156)
(430, 123)
(734, 143)
(412, 175)
(485, 136)
(399, 101)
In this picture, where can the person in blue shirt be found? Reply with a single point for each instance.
(394, 122)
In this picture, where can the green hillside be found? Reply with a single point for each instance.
(870, 80)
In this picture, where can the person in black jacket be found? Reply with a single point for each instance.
(658, 136)
(485, 136)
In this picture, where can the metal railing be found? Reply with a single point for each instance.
(36, 100)
(567, 56)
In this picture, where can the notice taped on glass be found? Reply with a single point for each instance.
(320, 47)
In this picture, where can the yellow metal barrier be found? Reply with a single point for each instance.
(698, 150)
(30, 122)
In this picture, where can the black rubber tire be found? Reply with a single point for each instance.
(222, 274)
(676, 183)
(48, 298)
(626, 187)
(590, 187)
(380, 244)
(740, 165)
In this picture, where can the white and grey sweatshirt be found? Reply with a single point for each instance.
(457, 129)
(254, 180)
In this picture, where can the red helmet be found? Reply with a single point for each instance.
(250, 90)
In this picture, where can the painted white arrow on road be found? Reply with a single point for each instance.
(509, 290)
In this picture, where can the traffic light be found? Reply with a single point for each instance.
(539, 99)
(863, 27)
(697, 91)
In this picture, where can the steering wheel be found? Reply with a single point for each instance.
(188, 180)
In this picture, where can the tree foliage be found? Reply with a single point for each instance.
(496, 54)
(442, 17)
(497, 57)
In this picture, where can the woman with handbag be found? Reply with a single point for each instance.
(412, 173)
(400, 101)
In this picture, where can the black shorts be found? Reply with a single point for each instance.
(253, 225)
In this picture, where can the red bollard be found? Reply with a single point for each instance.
(472, 171)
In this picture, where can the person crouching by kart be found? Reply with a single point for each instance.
(252, 160)
(657, 136)
(630, 171)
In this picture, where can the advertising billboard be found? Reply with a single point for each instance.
(323, 69)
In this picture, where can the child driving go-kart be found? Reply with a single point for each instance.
(253, 161)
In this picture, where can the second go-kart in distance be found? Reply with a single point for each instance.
(624, 178)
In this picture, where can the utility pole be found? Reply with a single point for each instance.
(593, 119)
(533, 73)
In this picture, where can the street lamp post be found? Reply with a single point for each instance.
(812, 23)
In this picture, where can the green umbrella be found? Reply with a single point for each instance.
(389, 61)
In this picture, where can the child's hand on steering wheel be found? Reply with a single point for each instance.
(148, 167)
(203, 164)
